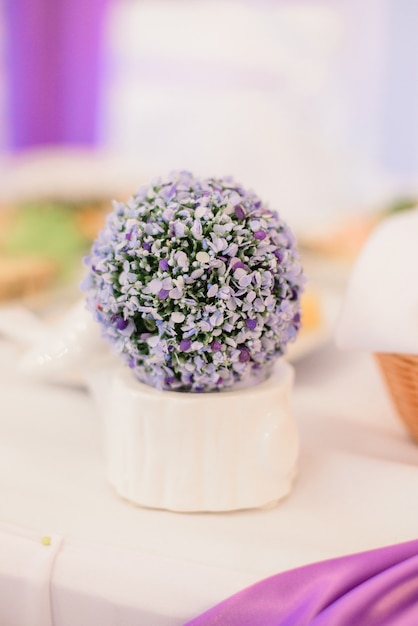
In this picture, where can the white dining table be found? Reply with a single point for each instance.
(72, 552)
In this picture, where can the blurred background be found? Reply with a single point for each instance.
(312, 103)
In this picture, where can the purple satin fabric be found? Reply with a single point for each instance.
(375, 588)
(53, 52)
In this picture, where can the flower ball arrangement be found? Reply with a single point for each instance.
(196, 283)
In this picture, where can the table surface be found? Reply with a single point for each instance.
(116, 564)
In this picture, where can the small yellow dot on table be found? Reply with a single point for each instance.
(46, 541)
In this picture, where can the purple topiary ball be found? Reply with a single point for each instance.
(196, 283)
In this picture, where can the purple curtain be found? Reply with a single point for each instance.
(53, 50)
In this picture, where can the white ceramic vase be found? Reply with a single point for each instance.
(201, 451)
(170, 450)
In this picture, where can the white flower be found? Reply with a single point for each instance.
(239, 273)
(202, 257)
(204, 326)
(182, 259)
(177, 317)
(167, 283)
(231, 250)
(225, 292)
(217, 318)
(175, 293)
(244, 281)
(196, 274)
(179, 229)
(201, 211)
(154, 286)
(212, 291)
(196, 230)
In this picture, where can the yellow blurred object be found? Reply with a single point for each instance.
(46, 541)
(312, 318)
(345, 241)
(22, 276)
(42, 244)
(90, 218)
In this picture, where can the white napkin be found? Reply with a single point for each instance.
(380, 308)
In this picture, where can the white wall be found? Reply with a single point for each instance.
(286, 96)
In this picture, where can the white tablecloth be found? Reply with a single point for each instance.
(111, 563)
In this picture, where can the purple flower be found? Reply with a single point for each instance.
(240, 265)
(163, 294)
(146, 246)
(251, 324)
(185, 345)
(121, 324)
(169, 192)
(279, 255)
(260, 234)
(216, 346)
(244, 355)
(163, 265)
(239, 212)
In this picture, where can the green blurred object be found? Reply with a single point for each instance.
(401, 204)
(50, 231)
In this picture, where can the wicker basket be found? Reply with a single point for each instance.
(400, 372)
